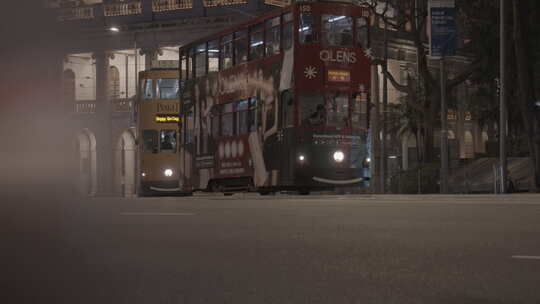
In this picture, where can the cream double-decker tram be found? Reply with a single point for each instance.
(158, 129)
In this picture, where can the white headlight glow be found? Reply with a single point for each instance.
(339, 156)
(168, 172)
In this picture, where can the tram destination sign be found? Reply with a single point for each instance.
(167, 118)
(339, 76)
(443, 33)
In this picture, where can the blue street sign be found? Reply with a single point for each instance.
(443, 37)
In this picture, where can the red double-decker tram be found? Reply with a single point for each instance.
(279, 102)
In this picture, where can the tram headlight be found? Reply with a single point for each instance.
(168, 172)
(301, 158)
(143, 174)
(339, 156)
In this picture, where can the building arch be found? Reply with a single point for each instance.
(87, 173)
(125, 164)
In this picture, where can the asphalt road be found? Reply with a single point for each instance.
(272, 249)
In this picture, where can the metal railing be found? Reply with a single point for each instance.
(280, 3)
(122, 105)
(122, 8)
(85, 107)
(76, 13)
(171, 5)
(212, 3)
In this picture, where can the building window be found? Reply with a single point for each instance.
(114, 83)
(69, 85)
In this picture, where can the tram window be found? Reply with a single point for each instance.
(213, 56)
(200, 60)
(270, 114)
(254, 120)
(226, 52)
(362, 33)
(167, 88)
(337, 30)
(167, 141)
(287, 31)
(273, 34)
(242, 120)
(240, 47)
(287, 110)
(337, 107)
(256, 42)
(148, 89)
(359, 116)
(191, 63)
(215, 113)
(306, 29)
(150, 138)
(312, 109)
(184, 67)
(227, 123)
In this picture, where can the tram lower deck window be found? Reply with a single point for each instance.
(150, 139)
(167, 141)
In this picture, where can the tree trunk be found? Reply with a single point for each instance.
(525, 80)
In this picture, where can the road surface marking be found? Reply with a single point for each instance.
(155, 214)
(526, 257)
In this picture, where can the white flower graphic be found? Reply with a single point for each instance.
(310, 72)
(369, 53)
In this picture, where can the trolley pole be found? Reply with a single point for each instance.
(444, 131)
(384, 158)
(502, 100)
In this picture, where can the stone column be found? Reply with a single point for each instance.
(103, 125)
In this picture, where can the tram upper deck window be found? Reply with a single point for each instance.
(256, 42)
(287, 31)
(150, 140)
(167, 88)
(191, 63)
(167, 141)
(273, 36)
(200, 60)
(213, 56)
(240, 47)
(184, 66)
(337, 30)
(226, 51)
(306, 29)
(362, 33)
(148, 89)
